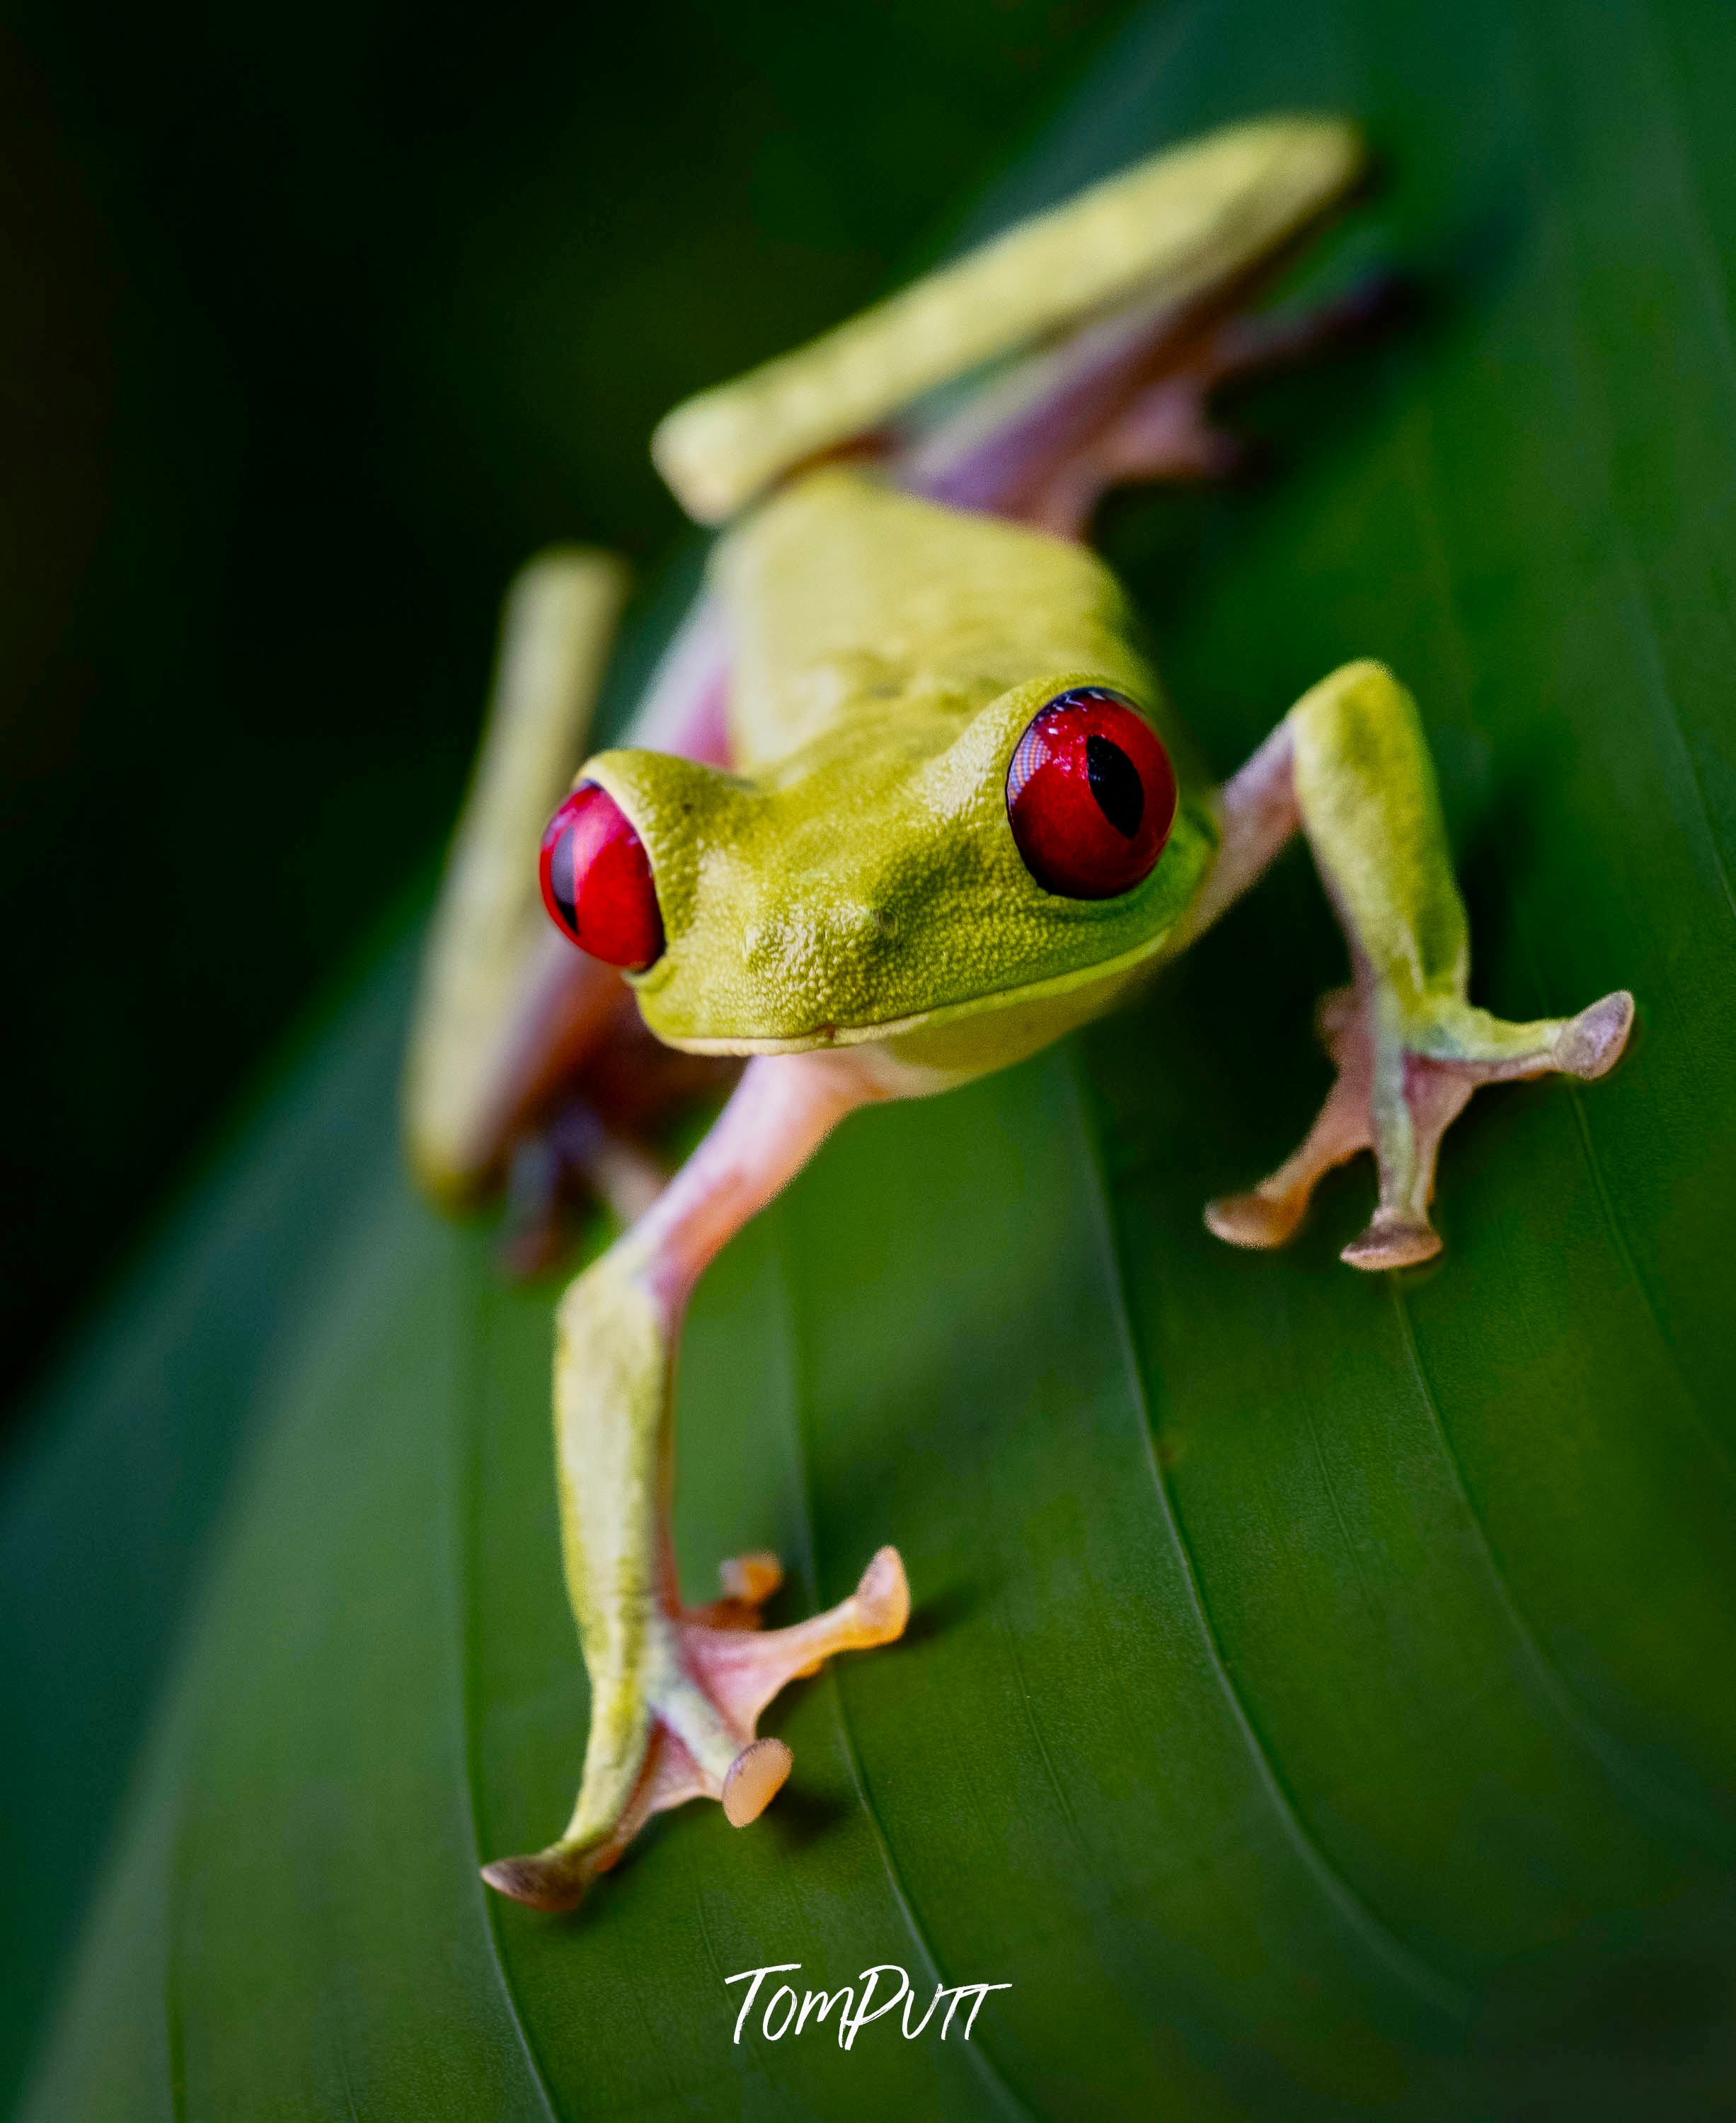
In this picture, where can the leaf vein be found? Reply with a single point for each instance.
(1661, 1800)
(1420, 465)
(1695, 1401)
(469, 1536)
(981, 2059)
(1438, 1991)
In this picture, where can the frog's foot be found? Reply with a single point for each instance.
(573, 1158)
(1397, 1095)
(596, 1142)
(717, 1672)
(1164, 429)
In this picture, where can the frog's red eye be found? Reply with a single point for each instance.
(597, 881)
(1091, 795)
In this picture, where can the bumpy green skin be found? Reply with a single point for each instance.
(858, 882)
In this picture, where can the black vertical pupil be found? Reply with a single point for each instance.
(1115, 784)
(560, 871)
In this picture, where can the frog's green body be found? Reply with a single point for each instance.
(845, 902)
(855, 881)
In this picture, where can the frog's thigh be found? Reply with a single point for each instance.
(1410, 1047)
(505, 1005)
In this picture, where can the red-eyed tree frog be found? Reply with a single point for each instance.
(904, 802)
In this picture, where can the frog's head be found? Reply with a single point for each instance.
(936, 863)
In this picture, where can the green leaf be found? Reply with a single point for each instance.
(1320, 1694)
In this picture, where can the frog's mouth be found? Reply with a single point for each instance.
(1081, 985)
(969, 936)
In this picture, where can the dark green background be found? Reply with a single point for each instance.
(317, 321)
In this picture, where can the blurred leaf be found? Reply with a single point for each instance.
(1320, 1694)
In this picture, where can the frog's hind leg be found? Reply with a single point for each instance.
(506, 1008)
(1168, 432)
(1350, 765)
(528, 1061)
(1129, 400)
(571, 1156)
(597, 1140)
(1164, 241)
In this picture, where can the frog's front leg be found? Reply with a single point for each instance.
(1349, 766)
(676, 1692)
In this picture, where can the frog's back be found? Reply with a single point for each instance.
(849, 599)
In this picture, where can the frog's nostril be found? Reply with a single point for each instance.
(596, 882)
